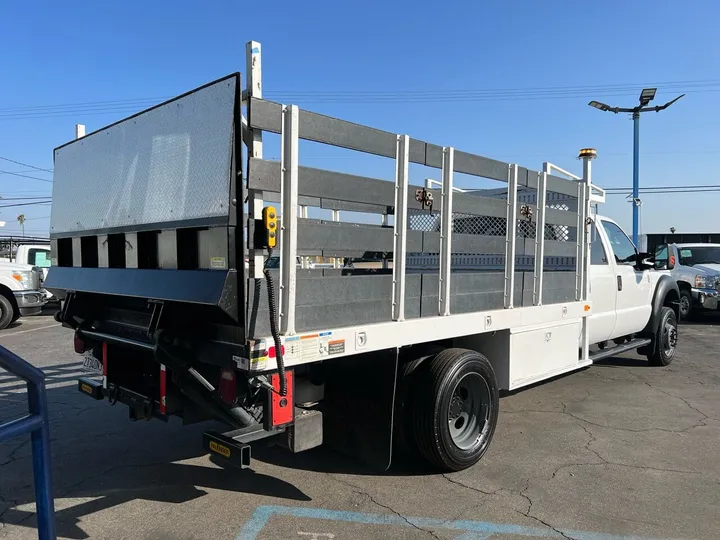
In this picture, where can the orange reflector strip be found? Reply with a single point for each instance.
(587, 308)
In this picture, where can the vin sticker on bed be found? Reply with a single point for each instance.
(292, 348)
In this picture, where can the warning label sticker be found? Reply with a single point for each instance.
(314, 346)
(336, 347)
(323, 342)
(309, 347)
(256, 363)
(218, 262)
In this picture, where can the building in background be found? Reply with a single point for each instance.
(648, 242)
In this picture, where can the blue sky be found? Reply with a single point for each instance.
(82, 52)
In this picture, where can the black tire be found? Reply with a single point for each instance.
(7, 312)
(404, 394)
(687, 310)
(664, 339)
(456, 408)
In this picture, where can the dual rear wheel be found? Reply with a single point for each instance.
(448, 408)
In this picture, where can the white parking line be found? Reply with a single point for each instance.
(29, 330)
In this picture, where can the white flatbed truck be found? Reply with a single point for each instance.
(410, 356)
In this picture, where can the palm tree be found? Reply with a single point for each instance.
(21, 221)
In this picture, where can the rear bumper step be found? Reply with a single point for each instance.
(92, 388)
(236, 453)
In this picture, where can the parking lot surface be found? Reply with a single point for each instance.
(614, 451)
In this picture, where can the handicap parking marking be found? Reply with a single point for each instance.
(467, 529)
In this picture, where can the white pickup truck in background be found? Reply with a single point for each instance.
(30, 252)
(21, 294)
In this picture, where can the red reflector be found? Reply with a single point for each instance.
(227, 387)
(79, 344)
(271, 351)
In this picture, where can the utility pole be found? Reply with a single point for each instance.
(646, 96)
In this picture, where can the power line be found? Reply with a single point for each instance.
(26, 165)
(86, 104)
(372, 96)
(665, 187)
(629, 192)
(23, 198)
(26, 176)
(24, 204)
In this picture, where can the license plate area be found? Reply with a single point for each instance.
(91, 364)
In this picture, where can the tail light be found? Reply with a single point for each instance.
(228, 386)
(80, 346)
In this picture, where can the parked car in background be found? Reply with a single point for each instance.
(697, 272)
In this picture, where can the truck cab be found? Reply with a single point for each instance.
(620, 289)
(696, 269)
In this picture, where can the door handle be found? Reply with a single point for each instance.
(619, 279)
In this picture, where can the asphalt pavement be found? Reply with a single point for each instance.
(617, 450)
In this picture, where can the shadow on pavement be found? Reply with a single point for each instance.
(100, 455)
(325, 460)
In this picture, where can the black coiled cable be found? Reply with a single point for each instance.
(272, 308)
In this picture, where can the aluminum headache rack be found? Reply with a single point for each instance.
(151, 208)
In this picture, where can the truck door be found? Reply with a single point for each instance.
(634, 290)
(602, 289)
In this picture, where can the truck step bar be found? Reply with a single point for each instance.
(619, 349)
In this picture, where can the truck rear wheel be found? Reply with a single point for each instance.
(7, 312)
(456, 408)
(664, 339)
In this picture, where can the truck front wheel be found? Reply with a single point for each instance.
(455, 408)
(664, 339)
(686, 305)
(7, 312)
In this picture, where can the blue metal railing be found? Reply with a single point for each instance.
(37, 424)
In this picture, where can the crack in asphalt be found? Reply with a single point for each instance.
(12, 457)
(12, 503)
(604, 461)
(701, 423)
(522, 493)
(472, 488)
(528, 512)
(358, 490)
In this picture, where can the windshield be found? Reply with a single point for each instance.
(39, 257)
(690, 256)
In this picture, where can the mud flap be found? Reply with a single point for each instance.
(359, 407)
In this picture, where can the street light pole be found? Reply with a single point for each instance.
(636, 176)
(646, 96)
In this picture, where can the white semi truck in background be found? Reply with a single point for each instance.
(171, 322)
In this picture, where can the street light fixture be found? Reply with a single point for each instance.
(646, 96)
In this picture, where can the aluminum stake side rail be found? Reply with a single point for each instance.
(188, 285)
